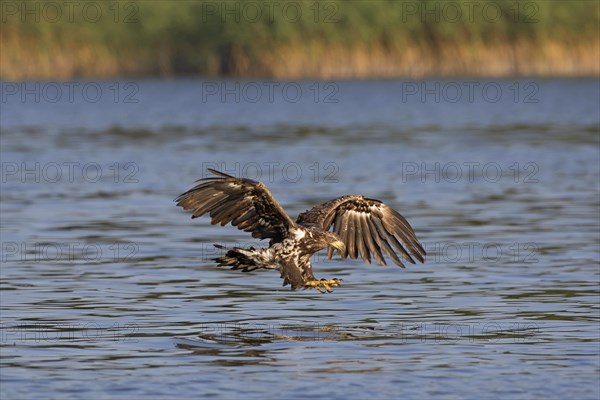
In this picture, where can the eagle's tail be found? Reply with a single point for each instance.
(244, 259)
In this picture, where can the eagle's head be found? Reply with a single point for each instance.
(330, 239)
(315, 239)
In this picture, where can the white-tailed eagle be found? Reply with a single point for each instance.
(361, 227)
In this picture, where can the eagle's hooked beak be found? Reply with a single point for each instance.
(338, 244)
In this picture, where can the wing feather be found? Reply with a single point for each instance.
(383, 241)
(230, 215)
(403, 242)
(353, 245)
(220, 211)
(366, 240)
(368, 228)
(378, 242)
(200, 208)
(344, 234)
(246, 204)
(242, 218)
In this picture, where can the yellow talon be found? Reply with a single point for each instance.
(322, 283)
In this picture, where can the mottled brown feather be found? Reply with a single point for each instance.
(247, 204)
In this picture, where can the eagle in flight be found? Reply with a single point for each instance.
(361, 226)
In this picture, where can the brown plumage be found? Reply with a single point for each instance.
(361, 227)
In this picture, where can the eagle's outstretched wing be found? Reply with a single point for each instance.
(247, 204)
(366, 226)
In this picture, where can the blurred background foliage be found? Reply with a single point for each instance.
(287, 38)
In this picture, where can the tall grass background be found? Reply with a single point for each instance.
(293, 38)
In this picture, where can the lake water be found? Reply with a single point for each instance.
(108, 288)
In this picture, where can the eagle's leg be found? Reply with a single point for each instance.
(321, 284)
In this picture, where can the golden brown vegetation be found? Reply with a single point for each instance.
(291, 39)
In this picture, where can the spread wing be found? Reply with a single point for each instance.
(367, 227)
(247, 204)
